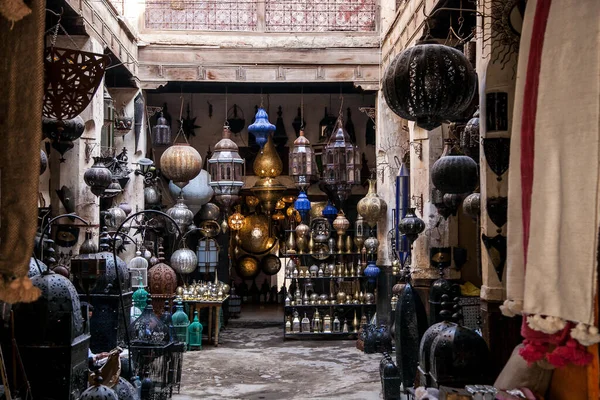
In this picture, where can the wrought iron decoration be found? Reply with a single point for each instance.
(497, 154)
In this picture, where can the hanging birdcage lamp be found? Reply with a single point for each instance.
(303, 167)
(342, 163)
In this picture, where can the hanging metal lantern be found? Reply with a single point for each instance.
(236, 221)
(267, 163)
(196, 193)
(411, 226)
(372, 207)
(303, 167)
(453, 173)
(270, 264)
(98, 177)
(371, 245)
(114, 189)
(184, 261)
(261, 128)
(182, 215)
(114, 217)
(469, 138)
(180, 163)
(341, 164)
(151, 196)
(247, 267)
(209, 212)
(236, 124)
(429, 84)
(302, 204)
(123, 124)
(472, 205)
(226, 170)
(268, 191)
(161, 132)
(453, 201)
(138, 270)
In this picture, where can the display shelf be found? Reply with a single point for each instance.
(327, 277)
(321, 335)
(329, 305)
(288, 255)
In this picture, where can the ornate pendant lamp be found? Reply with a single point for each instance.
(342, 163)
(180, 163)
(372, 207)
(182, 215)
(196, 193)
(161, 132)
(184, 260)
(411, 226)
(429, 84)
(98, 177)
(303, 167)
(302, 204)
(268, 191)
(454, 173)
(268, 164)
(261, 128)
(226, 170)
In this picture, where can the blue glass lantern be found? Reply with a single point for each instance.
(261, 128)
(302, 204)
(372, 271)
(330, 212)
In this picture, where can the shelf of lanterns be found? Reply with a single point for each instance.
(321, 327)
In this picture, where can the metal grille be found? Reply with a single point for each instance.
(320, 15)
(211, 15)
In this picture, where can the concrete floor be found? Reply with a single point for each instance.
(253, 362)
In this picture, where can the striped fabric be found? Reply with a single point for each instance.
(554, 175)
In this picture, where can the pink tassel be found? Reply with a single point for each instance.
(533, 351)
(571, 352)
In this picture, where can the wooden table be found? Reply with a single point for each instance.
(213, 306)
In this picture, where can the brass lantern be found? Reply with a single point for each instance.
(181, 163)
(268, 191)
(226, 170)
(303, 167)
(236, 221)
(341, 164)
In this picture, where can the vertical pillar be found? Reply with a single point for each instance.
(501, 333)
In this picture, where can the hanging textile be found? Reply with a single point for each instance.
(21, 68)
(553, 215)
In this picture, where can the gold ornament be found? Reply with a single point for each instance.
(254, 235)
(288, 199)
(278, 216)
(252, 201)
(267, 163)
(236, 221)
(372, 207)
(268, 191)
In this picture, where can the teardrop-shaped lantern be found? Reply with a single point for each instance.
(261, 128)
(267, 163)
(98, 177)
(372, 207)
(180, 163)
(411, 226)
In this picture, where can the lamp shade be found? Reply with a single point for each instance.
(261, 128)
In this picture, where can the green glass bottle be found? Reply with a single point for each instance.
(139, 298)
(195, 334)
(180, 324)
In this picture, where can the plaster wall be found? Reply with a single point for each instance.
(70, 173)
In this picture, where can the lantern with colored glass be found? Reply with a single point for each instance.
(261, 128)
(226, 170)
(341, 164)
(302, 204)
(180, 324)
(303, 167)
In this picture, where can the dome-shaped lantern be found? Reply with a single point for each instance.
(138, 270)
(180, 322)
(302, 204)
(429, 84)
(148, 329)
(411, 226)
(261, 128)
(330, 212)
(341, 163)
(303, 167)
(98, 391)
(98, 177)
(180, 163)
(226, 169)
(453, 173)
(162, 281)
(196, 193)
(161, 132)
(372, 207)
